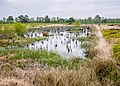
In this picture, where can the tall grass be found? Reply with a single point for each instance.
(42, 56)
(49, 59)
(88, 43)
(94, 72)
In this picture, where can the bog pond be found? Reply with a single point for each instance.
(61, 41)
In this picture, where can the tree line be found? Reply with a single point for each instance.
(26, 19)
(98, 20)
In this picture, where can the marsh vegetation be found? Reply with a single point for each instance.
(50, 56)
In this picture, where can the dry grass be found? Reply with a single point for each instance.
(88, 74)
(105, 50)
(108, 27)
(13, 82)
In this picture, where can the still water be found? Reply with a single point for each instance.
(62, 42)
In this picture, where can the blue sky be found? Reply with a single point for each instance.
(61, 8)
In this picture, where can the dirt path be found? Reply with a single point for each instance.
(105, 50)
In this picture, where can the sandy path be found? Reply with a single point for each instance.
(105, 50)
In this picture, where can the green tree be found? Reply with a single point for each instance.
(1, 22)
(47, 19)
(4, 20)
(20, 29)
(26, 19)
(32, 20)
(38, 19)
(89, 20)
(104, 21)
(58, 19)
(42, 20)
(70, 20)
(62, 20)
(16, 19)
(10, 19)
(98, 17)
(23, 19)
(77, 24)
(53, 20)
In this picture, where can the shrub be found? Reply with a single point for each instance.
(7, 33)
(77, 24)
(106, 71)
(20, 29)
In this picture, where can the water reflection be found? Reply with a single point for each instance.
(64, 43)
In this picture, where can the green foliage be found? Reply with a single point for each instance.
(70, 20)
(20, 29)
(88, 44)
(42, 56)
(77, 24)
(47, 19)
(7, 32)
(75, 62)
(23, 19)
(85, 38)
(10, 19)
(26, 19)
(31, 40)
(115, 36)
(116, 51)
(89, 49)
(111, 33)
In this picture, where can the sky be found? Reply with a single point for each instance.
(60, 8)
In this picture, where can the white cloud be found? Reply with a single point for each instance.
(63, 8)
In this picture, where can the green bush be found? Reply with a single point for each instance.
(7, 33)
(20, 29)
(77, 24)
